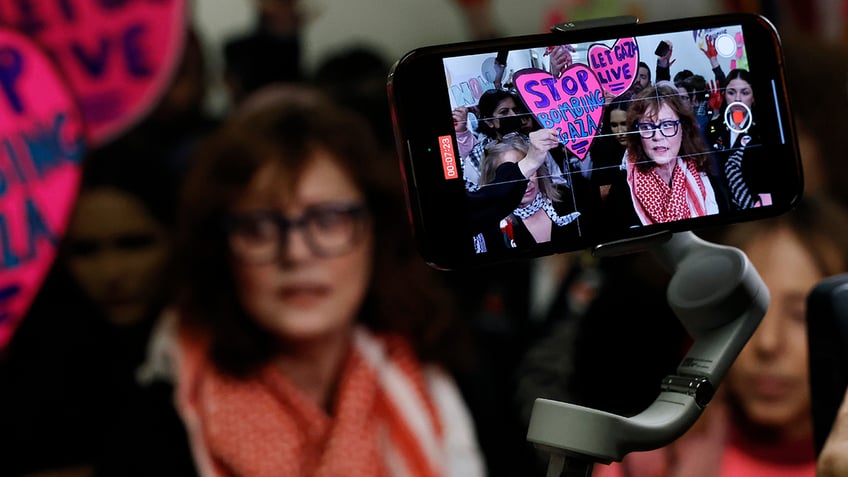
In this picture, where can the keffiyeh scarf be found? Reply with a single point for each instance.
(656, 202)
(391, 417)
(542, 202)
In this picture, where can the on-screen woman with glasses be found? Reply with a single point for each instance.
(666, 176)
(309, 337)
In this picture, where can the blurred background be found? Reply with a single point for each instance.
(74, 360)
(394, 27)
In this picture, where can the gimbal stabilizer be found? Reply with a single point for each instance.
(720, 299)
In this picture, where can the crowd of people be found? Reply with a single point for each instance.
(664, 150)
(241, 295)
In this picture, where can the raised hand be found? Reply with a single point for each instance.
(460, 118)
(833, 458)
(541, 141)
(560, 58)
(715, 99)
(665, 60)
(710, 51)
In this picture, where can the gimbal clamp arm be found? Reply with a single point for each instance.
(720, 299)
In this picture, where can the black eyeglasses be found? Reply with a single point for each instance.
(328, 230)
(667, 128)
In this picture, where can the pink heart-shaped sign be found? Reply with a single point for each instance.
(571, 104)
(615, 67)
(43, 141)
(118, 55)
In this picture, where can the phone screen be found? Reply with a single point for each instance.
(642, 144)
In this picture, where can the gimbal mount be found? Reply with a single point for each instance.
(720, 299)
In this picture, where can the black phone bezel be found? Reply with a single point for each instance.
(420, 112)
(827, 339)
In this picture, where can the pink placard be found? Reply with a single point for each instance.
(571, 104)
(118, 55)
(615, 66)
(43, 140)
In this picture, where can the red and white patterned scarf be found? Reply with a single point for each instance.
(392, 417)
(655, 201)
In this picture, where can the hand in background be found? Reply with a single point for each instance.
(833, 459)
(715, 96)
(460, 119)
(711, 52)
(561, 59)
(541, 141)
(665, 60)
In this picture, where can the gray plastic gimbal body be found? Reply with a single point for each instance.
(720, 300)
(718, 297)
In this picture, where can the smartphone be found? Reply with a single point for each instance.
(827, 337)
(662, 48)
(467, 212)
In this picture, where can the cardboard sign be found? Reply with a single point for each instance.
(468, 77)
(615, 66)
(118, 55)
(42, 140)
(571, 104)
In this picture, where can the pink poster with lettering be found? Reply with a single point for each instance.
(118, 55)
(42, 141)
(571, 104)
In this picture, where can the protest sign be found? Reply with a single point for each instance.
(118, 55)
(615, 66)
(571, 104)
(42, 141)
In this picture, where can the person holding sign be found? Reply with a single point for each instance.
(540, 215)
(666, 176)
(501, 112)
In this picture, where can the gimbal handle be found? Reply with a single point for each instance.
(720, 299)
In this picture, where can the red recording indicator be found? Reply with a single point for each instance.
(448, 157)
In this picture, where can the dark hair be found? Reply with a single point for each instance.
(138, 167)
(642, 64)
(696, 86)
(486, 106)
(286, 130)
(738, 73)
(355, 77)
(618, 104)
(692, 146)
(135, 167)
(682, 75)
